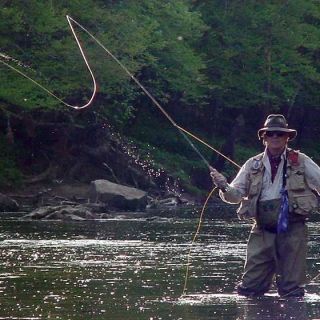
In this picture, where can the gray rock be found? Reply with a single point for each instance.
(118, 196)
(63, 212)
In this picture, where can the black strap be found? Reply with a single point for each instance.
(284, 173)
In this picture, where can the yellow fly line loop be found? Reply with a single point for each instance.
(94, 83)
(185, 133)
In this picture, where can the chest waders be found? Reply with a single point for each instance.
(276, 247)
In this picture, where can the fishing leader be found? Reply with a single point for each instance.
(277, 190)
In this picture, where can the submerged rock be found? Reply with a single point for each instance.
(118, 196)
(67, 212)
(8, 204)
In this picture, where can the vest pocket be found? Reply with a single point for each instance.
(245, 211)
(304, 204)
(254, 188)
(297, 182)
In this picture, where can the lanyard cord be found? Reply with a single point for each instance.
(284, 174)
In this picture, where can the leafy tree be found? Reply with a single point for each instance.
(153, 40)
(255, 51)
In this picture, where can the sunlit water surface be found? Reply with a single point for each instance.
(135, 269)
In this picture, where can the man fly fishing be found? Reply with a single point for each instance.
(276, 189)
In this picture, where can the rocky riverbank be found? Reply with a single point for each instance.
(80, 201)
(101, 199)
(75, 166)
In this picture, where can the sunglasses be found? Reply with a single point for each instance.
(275, 133)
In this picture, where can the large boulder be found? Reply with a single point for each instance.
(118, 196)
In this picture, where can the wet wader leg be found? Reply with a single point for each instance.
(291, 260)
(260, 263)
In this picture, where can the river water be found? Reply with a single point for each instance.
(134, 269)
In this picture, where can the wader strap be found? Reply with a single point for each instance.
(284, 173)
(284, 207)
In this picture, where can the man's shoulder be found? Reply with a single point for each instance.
(296, 157)
(257, 157)
(254, 162)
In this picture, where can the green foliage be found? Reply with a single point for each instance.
(206, 62)
(255, 51)
(243, 153)
(144, 36)
(10, 175)
(177, 165)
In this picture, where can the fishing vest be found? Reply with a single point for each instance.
(302, 200)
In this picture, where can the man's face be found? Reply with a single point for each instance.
(276, 140)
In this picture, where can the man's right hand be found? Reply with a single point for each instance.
(218, 179)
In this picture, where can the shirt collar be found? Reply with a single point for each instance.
(265, 159)
(283, 154)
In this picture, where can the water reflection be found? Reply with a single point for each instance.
(273, 309)
(118, 269)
